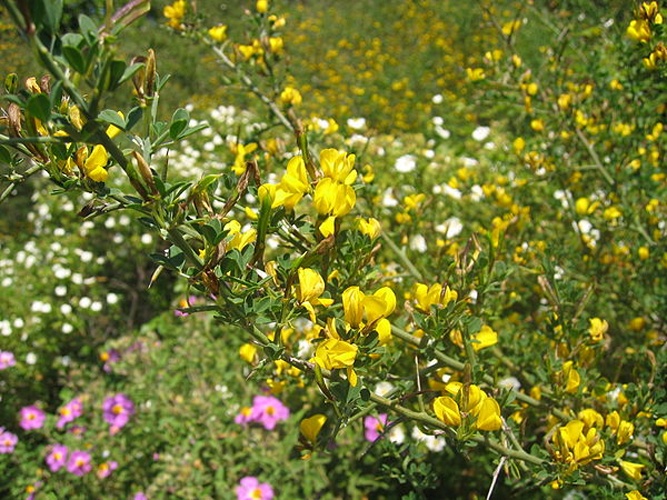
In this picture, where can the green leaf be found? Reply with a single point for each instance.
(113, 118)
(5, 156)
(116, 72)
(74, 58)
(133, 117)
(47, 14)
(39, 106)
(176, 128)
(179, 122)
(11, 83)
(88, 28)
(129, 72)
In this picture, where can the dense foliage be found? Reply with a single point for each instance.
(345, 251)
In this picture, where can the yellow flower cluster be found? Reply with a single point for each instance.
(470, 405)
(175, 13)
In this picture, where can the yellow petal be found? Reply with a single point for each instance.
(310, 427)
(446, 409)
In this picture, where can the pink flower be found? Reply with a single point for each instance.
(268, 411)
(57, 458)
(374, 427)
(7, 359)
(69, 412)
(31, 418)
(250, 488)
(245, 417)
(117, 411)
(79, 463)
(7, 441)
(106, 468)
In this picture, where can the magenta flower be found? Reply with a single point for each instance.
(250, 488)
(57, 458)
(7, 359)
(268, 411)
(245, 417)
(109, 358)
(117, 411)
(7, 441)
(184, 304)
(140, 496)
(31, 418)
(79, 463)
(69, 412)
(374, 426)
(106, 468)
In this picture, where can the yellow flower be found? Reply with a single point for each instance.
(175, 13)
(632, 469)
(639, 31)
(447, 410)
(379, 305)
(635, 495)
(475, 74)
(247, 352)
(338, 166)
(650, 12)
(328, 226)
(488, 416)
(218, 33)
(486, 337)
(590, 418)
(241, 150)
(290, 96)
(624, 432)
(370, 227)
(311, 286)
(239, 239)
(262, 6)
(353, 306)
(112, 131)
(572, 378)
(598, 327)
(383, 329)
(292, 186)
(93, 164)
(333, 354)
(333, 198)
(427, 296)
(510, 27)
(276, 46)
(310, 427)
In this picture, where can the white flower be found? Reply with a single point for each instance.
(450, 228)
(67, 328)
(418, 243)
(481, 133)
(432, 442)
(60, 290)
(112, 298)
(31, 358)
(356, 123)
(437, 99)
(510, 383)
(65, 309)
(388, 198)
(85, 302)
(383, 388)
(396, 434)
(442, 132)
(405, 164)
